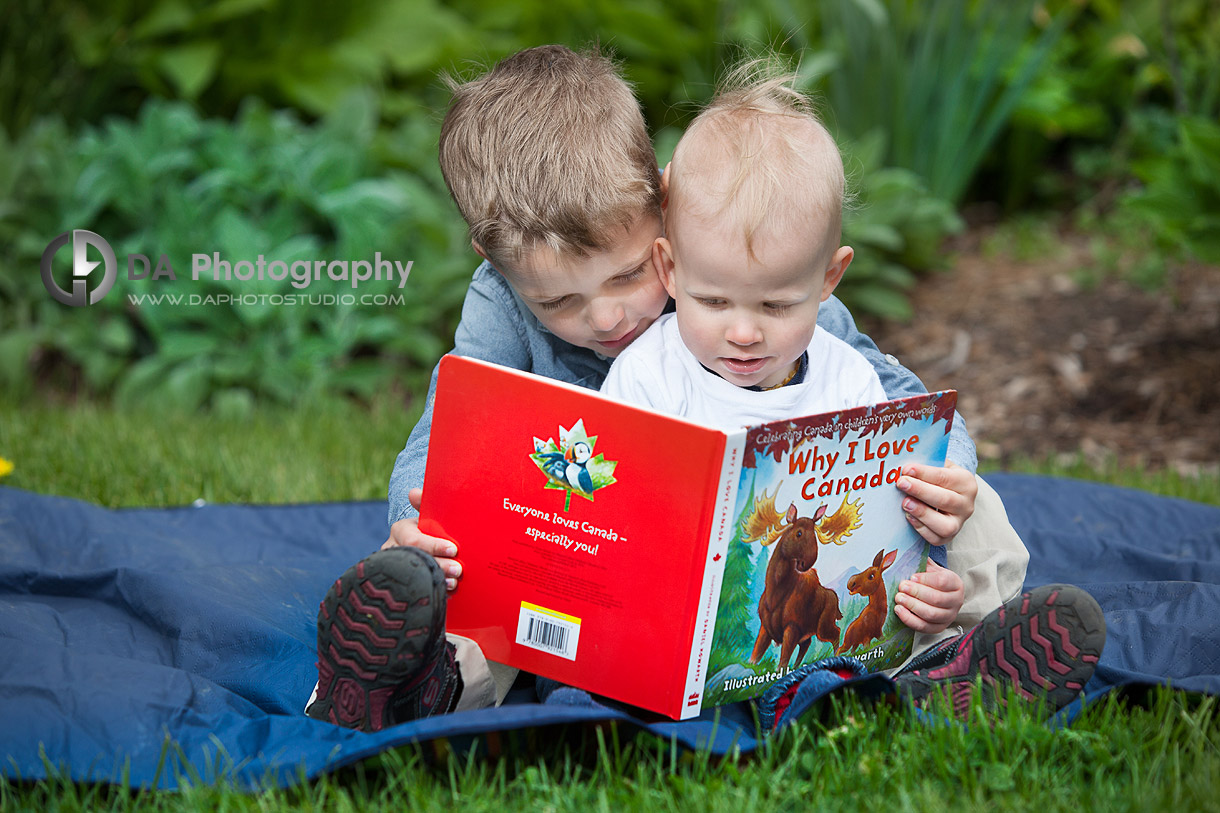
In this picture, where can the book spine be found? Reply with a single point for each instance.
(720, 535)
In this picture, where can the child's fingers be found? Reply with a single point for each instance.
(938, 585)
(406, 533)
(949, 476)
(933, 526)
(931, 617)
(915, 622)
(934, 497)
(930, 601)
(916, 597)
(949, 490)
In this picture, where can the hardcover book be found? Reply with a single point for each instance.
(662, 563)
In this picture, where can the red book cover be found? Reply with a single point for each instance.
(593, 535)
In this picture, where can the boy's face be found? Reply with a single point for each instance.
(602, 301)
(746, 319)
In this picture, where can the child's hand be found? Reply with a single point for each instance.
(939, 500)
(930, 601)
(406, 533)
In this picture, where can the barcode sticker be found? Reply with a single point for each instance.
(548, 630)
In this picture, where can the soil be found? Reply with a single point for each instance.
(1052, 367)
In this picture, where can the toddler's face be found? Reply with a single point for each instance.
(746, 319)
(603, 301)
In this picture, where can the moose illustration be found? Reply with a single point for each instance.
(868, 582)
(795, 606)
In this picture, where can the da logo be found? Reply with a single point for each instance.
(82, 267)
(570, 464)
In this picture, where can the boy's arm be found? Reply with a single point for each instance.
(488, 330)
(897, 380)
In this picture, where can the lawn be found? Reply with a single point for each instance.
(1160, 753)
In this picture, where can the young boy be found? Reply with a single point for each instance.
(752, 215)
(550, 164)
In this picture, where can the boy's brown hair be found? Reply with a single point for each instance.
(759, 156)
(548, 148)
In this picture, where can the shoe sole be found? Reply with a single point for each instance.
(1044, 645)
(379, 626)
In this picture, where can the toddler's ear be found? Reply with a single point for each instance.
(663, 263)
(834, 272)
(478, 249)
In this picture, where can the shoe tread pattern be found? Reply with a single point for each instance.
(378, 626)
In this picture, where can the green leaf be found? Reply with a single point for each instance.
(875, 234)
(1201, 146)
(167, 17)
(365, 378)
(186, 386)
(192, 67)
(230, 9)
(884, 302)
(116, 336)
(139, 380)
(180, 346)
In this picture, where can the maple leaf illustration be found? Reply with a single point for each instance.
(570, 465)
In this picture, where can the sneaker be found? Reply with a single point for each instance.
(1043, 645)
(382, 654)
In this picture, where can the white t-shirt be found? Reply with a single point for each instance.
(659, 372)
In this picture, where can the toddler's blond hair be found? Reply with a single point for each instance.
(759, 157)
(549, 148)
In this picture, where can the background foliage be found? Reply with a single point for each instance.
(306, 129)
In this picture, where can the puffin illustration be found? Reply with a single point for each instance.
(553, 463)
(577, 471)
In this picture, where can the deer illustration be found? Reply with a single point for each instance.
(795, 606)
(868, 582)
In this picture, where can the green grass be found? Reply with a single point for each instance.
(325, 451)
(1117, 757)
(1164, 754)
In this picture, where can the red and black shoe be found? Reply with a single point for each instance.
(382, 654)
(1042, 645)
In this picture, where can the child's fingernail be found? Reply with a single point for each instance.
(908, 505)
(453, 569)
(449, 550)
(904, 484)
(909, 470)
(450, 584)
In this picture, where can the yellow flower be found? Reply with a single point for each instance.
(5, 467)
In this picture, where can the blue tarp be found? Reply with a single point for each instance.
(122, 630)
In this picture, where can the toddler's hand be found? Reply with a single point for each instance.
(406, 533)
(930, 601)
(939, 500)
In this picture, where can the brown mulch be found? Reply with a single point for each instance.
(1048, 366)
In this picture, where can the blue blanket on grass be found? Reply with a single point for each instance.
(142, 646)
